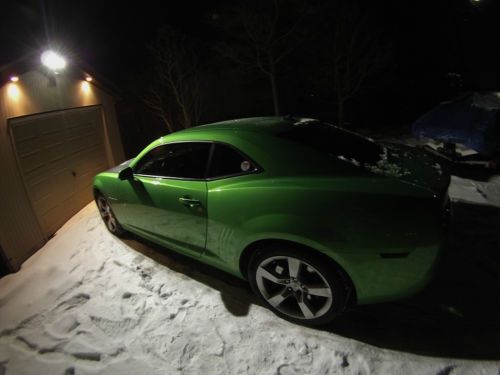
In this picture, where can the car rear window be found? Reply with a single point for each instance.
(335, 141)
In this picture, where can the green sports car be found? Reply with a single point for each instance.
(316, 218)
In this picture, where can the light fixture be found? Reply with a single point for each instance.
(13, 91)
(85, 87)
(88, 78)
(53, 61)
(14, 79)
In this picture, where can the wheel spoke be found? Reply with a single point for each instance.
(269, 276)
(293, 267)
(111, 223)
(102, 204)
(306, 311)
(278, 298)
(103, 208)
(320, 291)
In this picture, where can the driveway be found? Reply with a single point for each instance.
(89, 303)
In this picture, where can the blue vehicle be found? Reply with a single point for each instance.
(472, 120)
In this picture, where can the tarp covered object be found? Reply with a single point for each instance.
(472, 120)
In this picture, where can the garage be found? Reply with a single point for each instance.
(57, 131)
(58, 155)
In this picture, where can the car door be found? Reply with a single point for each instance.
(229, 181)
(171, 196)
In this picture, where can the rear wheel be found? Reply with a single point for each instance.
(298, 286)
(108, 216)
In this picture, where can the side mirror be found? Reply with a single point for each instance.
(126, 174)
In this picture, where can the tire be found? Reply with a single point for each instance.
(108, 216)
(298, 285)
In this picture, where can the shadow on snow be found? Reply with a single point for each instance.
(457, 315)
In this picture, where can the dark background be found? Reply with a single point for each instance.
(438, 49)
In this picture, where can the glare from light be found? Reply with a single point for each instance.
(88, 79)
(53, 60)
(85, 87)
(14, 79)
(13, 91)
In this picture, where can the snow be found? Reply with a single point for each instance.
(351, 160)
(477, 192)
(438, 168)
(89, 303)
(385, 167)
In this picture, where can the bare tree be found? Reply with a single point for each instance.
(174, 93)
(354, 53)
(260, 36)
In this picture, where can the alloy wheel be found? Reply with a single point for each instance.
(107, 214)
(294, 287)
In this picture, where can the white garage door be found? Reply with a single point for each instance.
(58, 154)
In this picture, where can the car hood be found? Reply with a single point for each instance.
(413, 165)
(121, 166)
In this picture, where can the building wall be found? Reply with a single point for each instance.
(20, 232)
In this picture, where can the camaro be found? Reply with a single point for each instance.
(315, 217)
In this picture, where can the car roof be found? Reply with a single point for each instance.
(243, 127)
(270, 125)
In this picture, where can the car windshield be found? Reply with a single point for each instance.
(335, 141)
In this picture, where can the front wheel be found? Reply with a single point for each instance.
(108, 216)
(297, 286)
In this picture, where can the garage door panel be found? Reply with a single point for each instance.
(79, 164)
(27, 146)
(32, 145)
(46, 171)
(88, 156)
(55, 189)
(46, 204)
(55, 167)
(81, 133)
(36, 157)
(87, 143)
(56, 217)
(59, 154)
(39, 160)
(89, 168)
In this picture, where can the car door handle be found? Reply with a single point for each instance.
(190, 202)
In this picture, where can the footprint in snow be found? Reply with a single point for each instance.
(115, 327)
(88, 356)
(446, 371)
(138, 260)
(63, 326)
(188, 352)
(165, 295)
(74, 301)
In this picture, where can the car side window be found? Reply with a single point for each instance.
(227, 161)
(178, 160)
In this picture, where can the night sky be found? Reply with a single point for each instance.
(109, 35)
(426, 35)
(427, 40)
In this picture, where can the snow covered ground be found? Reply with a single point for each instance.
(89, 303)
